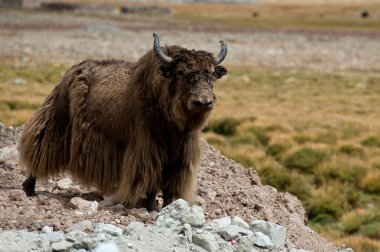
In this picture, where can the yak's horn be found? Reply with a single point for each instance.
(222, 53)
(157, 50)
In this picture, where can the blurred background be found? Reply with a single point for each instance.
(301, 102)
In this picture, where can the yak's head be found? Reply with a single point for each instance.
(191, 75)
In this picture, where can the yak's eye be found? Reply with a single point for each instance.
(180, 71)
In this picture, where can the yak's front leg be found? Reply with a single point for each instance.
(29, 186)
(151, 203)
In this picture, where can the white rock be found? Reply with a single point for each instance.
(206, 241)
(232, 232)
(262, 240)
(211, 194)
(19, 81)
(108, 229)
(89, 242)
(276, 233)
(47, 229)
(195, 217)
(61, 246)
(236, 220)
(64, 183)
(221, 222)
(107, 247)
(8, 153)
(88, 207)
(188, 232)
(82, 226)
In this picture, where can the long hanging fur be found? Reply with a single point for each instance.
(121, 127)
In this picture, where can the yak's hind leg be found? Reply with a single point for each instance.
(180, 180)
(43, 146)
(29, 186)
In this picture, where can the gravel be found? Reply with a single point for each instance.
(69, 39)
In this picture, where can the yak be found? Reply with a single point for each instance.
(129, 129)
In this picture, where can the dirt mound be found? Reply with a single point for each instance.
(225, 188)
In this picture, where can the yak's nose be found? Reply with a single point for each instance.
(204, 103)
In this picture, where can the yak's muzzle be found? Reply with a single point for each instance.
(201, 103)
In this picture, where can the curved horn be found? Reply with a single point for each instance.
(157, 50)
(222, 53)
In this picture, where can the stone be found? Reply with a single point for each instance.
(211, 194)
(9, 153)
(108, 229)
(47, 229)
(262, 240)
(19, 81)
(107, 247)
(221, 222)
(232, 232)
(89, 243)
(76, 236)
(206, 241)
(85, 225)
(17, 195)
(195, 217)
(276, 233)
(61, 246)
(88, 207)
(236, 220)
(64, 183)
(188, 232)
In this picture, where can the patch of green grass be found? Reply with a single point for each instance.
(352, 151)
(371, 230)
(285, 181)
(224, 126)
(353, 221)
(260, 135)
(372, 142)
(277, 150)
(304, 159)
(16, 105)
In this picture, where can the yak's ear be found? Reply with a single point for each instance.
(220, 71)
(165, 70)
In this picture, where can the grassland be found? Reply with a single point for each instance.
(315, 135)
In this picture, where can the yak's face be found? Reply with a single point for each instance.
(192, 75)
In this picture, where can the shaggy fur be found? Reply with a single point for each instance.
(129, 129)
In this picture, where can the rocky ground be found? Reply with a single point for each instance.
(225, 189)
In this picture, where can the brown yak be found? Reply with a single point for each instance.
(130, 129)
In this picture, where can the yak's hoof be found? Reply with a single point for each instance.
(29, 185)
(150, 203)
(152, 207)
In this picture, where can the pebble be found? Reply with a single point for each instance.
(276, 233)
(47, 229)
(108, 229)
(232, 232)
(236, 220)
(88, 207)
(107, 247)
(64, 184)
(61, 246)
